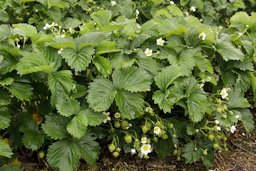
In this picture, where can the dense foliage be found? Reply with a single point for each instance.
(139, 77)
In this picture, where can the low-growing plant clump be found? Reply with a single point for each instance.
(139, 77)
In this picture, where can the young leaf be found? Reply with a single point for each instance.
(78, 125)
(101, 94)
(68, 107)
(132, 79)
(5, 118)
(78, 59)
(129, 104)
(56, 123)
(5, 149)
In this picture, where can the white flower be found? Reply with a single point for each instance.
(145, 149)
(232, 129)
(60, 51)
(18, 46)
(218, 128)
(193, 9)
(172, 3)
(237, 116)
(107, 117)
(148, 52)
(133, 151)
(202, 35)
(47, 26)
(113, 3)
(217, 122)
(224, 93)
(157, 130)
(144, 140)
(160, 42)
(137, 12)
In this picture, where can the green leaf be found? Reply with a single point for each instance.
(55, 126)
(62, 42)
(89, 149)
(163, 147)
(101, 94)
(103, 65)
(106, 47)
(197, 106)
(92, 38)
(25, 30)
(68, 107)
(5, 118)
(161, 98)
(78, 125)
(8, 64)
(129, 104)
(164, 78)
(237, 100)
(241, 18)
(5, 149)
(4, 98)
(78, 59)
(33, 62)
(148, 64)
(190, 154)
(132, 79)
(4, 17)
(94, 118)
(60, 83)
(102, 17)
(6, 81)
(247, 120)
(21, 90)
(64, 155)
(32, 138)
(228, 51)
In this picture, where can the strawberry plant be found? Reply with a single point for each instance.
(137, 77)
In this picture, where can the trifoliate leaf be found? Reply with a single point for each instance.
(94, 118)
(21, 90)
(228, 51)
(5, 118)
(68, 107)
(5, 149)
(148, 64)
(103, 65)
(101, 94)
(55, 126)
(78, 59)
(161, 98)
(78, 125)
(132, 79)
(241, 18)
(129, 104)
(197, 106)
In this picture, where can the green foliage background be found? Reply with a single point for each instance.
(69, 68)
